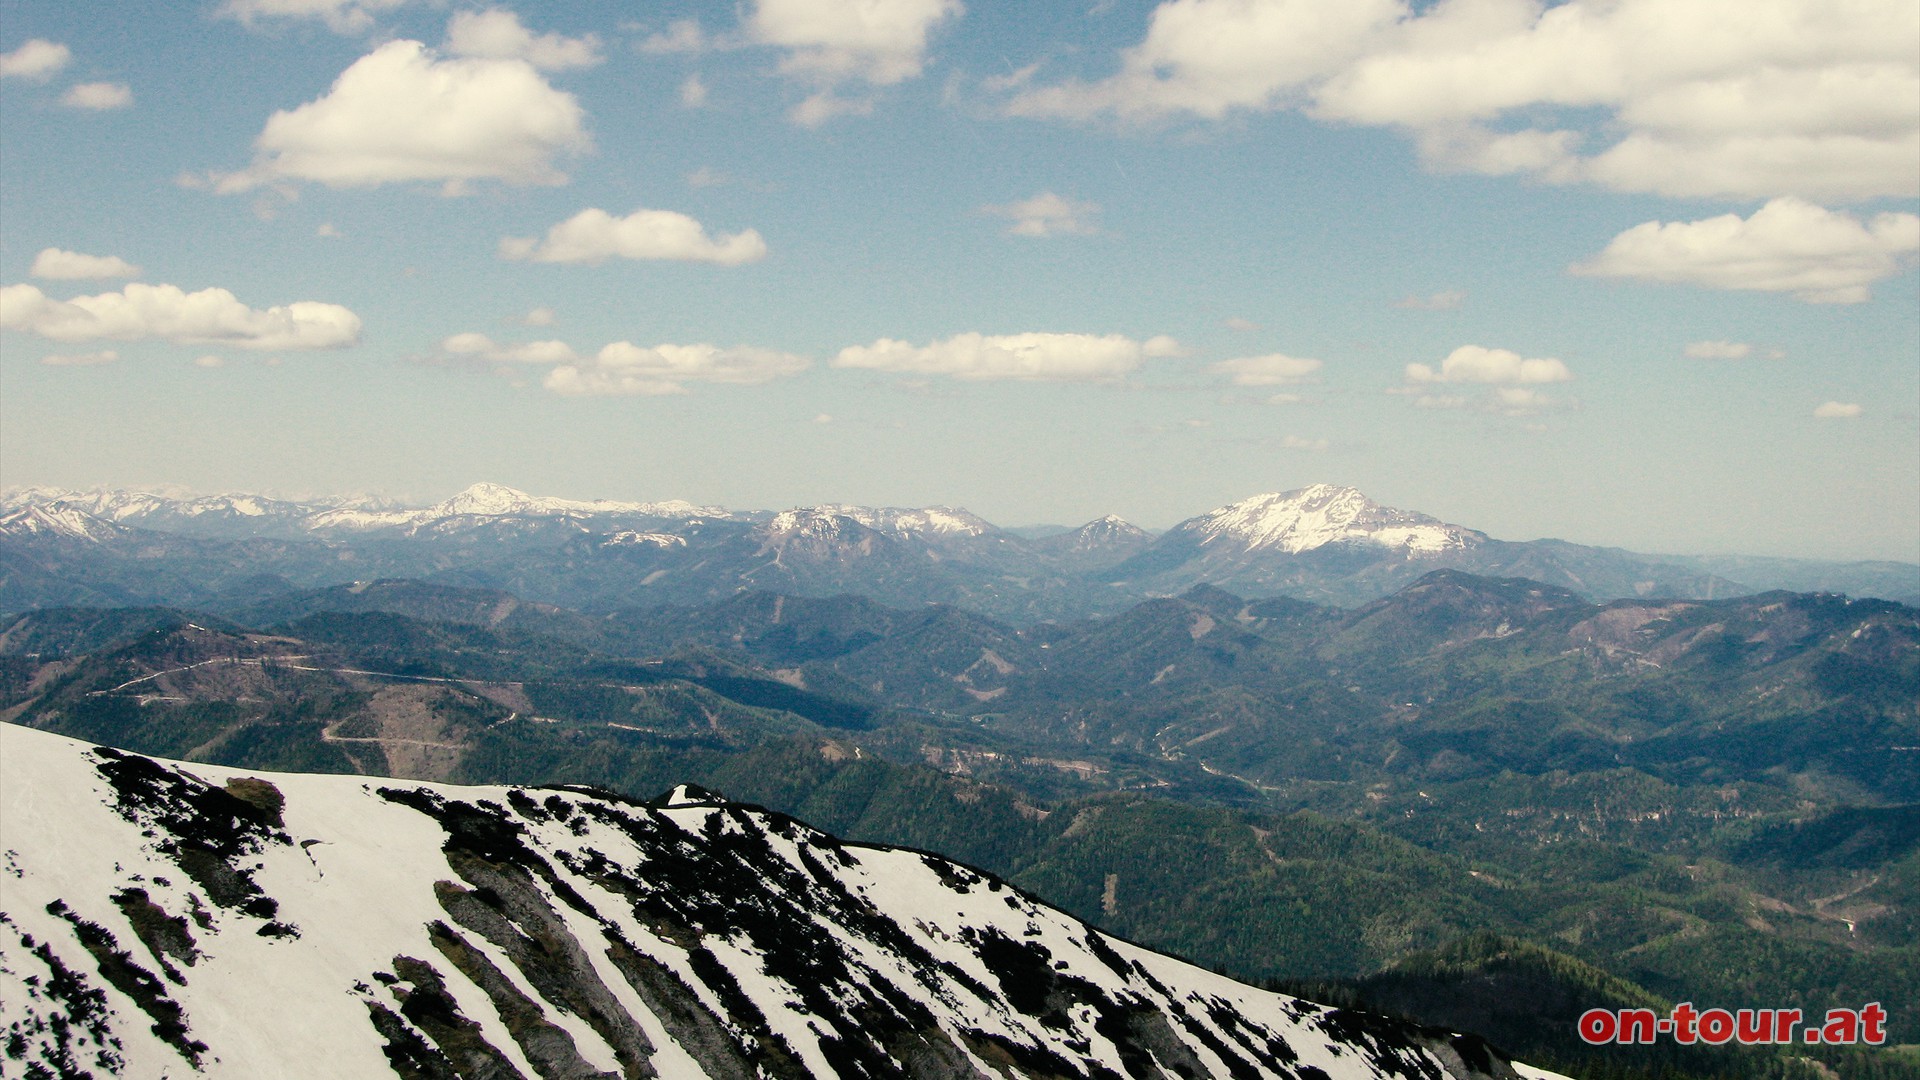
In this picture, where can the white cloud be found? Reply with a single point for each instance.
(1510, 381)
(706, 176)
(1273, 369)
(1838, 410)
(480, 347)
(1788, 245)
(210, 360)
(1740, 98)
(823, 418)
(1440, 301)
(881, 42)
(693, 92)
(497, 34)
(1296, 442)
(540, 316)
(828, 44)
(593, 236)
(625, 369)
(680, 36)
(97, 96)
(170, 314)
(1047, 214)
(1718, 350)
(342, 16)
(1475, 364)
(401, 113)
(326, 230)
(36, 61)
(1208, 57)
(58, 265)
(1033, 357)
(1286, 399)
(824, 105)
(105, 356)
(1238, 323)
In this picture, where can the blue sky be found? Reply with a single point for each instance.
(1637, 273)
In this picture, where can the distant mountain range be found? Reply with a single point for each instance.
(1324, 543)
(166, 920)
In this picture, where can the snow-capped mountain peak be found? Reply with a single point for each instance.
(55, 519)
(1313, 517)
(490, 500)
(936, 521)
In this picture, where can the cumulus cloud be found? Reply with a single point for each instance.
(97, 96)
(1238, 323)
(402, 113)
(104, 356)
(480, 347)
(210, 360)
(593, 236)
(57, 265)
(342, 16)
(36, 61)
(1740, 98)
(1033, 357)
(1789, 245)
(1475, 364)
(1718, 350)
(1838, 410)
(1047, 214)
(1440, 301)
(1208, 57)
(1273, 369)
(165, 312)
(693, 92)
(497, 34)
(540, 316)
(829, 44)
(881, 42)
(625, 369)
(1509, 383)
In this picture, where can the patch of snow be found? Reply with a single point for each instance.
(1313, 517)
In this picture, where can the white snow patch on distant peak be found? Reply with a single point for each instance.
(1312, 517)
(628, 538)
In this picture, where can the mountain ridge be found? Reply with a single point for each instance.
(1325, 543)
(206, 921)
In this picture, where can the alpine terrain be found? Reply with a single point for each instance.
(166, 920)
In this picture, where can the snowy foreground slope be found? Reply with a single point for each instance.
(168, 920)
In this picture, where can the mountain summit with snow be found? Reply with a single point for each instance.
(168, 921)
(1313, 517)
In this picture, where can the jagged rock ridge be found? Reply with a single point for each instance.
(161, 920)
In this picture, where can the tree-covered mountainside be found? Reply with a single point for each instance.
(1700, 800)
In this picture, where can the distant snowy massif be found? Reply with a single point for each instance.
(1325, 543)
(161, 920)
